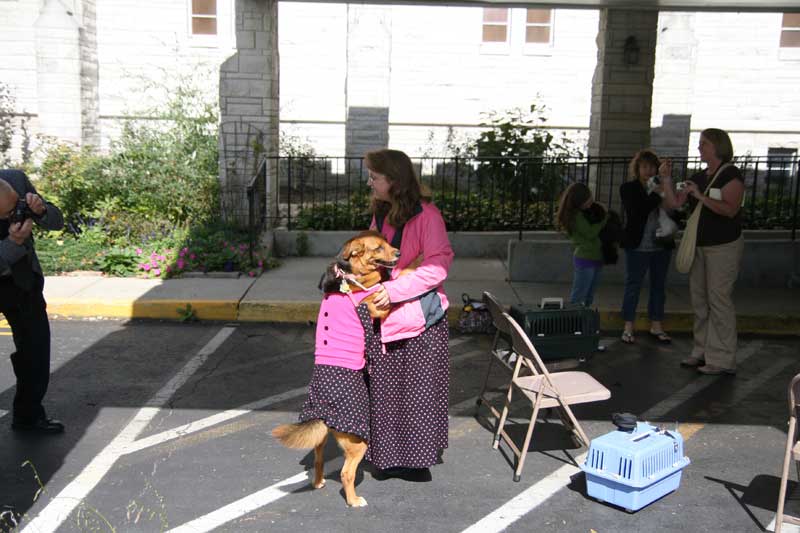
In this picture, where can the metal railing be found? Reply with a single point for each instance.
(496, 194)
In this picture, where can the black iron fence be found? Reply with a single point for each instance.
(495, 194)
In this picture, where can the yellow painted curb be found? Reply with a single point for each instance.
(278, 311)
(303, 312)
(161, 309)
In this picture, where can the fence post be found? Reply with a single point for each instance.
(796, 194)
(288, 193)
(251, 223)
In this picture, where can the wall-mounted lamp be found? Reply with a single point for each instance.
(630, 51)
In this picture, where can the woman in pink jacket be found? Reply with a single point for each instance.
(409, 379)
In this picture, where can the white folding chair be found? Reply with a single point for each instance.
(791, 454)
(544, 390)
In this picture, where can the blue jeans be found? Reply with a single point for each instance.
(636, 266)
(584, 281)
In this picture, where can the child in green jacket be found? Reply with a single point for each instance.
(583, 229)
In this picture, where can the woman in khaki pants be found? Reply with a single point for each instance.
(718, 253)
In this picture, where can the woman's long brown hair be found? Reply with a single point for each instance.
(405, 189)
(571, 201)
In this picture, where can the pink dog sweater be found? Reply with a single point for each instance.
(340, 335)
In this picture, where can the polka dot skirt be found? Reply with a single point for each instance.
(409, 388)
(338, 396)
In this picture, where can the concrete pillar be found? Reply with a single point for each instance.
(90, 75)
(249, 107)
(674, 85)
(622, 92)
(58, 72)
(368, 81)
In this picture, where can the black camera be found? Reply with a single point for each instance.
(21, 212)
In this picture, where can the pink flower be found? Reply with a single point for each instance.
(252, 274)
(157, 272)
(169, 268)
(146, 267)
(260, 263)
(192, 257)
(138, 251)
(161, 258)
(154, 263)
(180, 264)
(182, 253)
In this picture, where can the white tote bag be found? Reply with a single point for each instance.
(685, 256)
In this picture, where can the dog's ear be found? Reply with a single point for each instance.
(353, 247)
(329, 282)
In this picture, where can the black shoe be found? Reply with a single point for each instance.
(40, 425)
(414, 475)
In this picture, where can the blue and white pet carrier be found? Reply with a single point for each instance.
(633, 469)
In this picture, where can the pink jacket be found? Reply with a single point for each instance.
(425, 234)
(340, 335)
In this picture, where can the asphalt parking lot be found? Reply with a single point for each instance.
(168, 430)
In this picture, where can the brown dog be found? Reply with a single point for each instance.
(361, 264)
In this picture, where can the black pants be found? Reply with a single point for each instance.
(26, 313)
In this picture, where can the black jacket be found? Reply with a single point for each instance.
(11, 252)
(637, 205)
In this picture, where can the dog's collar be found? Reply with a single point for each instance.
(347, 278)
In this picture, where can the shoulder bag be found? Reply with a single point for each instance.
(685, 256)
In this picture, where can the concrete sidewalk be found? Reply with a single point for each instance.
(289, 293)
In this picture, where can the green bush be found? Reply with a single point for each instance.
(335, 216)
(149, 206)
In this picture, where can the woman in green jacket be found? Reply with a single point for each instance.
(582, 220)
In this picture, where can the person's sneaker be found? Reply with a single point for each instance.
(693, 361)
(712, 370)
(40, 425)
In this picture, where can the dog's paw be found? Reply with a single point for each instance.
(318, 485)
(358, 502)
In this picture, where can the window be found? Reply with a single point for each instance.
(790, 30)
(495, 25)
(204, 17)
(538, 26)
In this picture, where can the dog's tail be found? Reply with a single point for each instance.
(305, 435)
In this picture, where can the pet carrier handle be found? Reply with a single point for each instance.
(624, 421)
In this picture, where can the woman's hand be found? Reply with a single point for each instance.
(690, 189)
(382, 300)
(665, 169)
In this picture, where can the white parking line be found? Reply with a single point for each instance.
(204, 423)
(459, 340)
(669, 403)
(526, 501)
(241, 507)
(60, 507)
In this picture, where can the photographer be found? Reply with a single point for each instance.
(21, 298)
